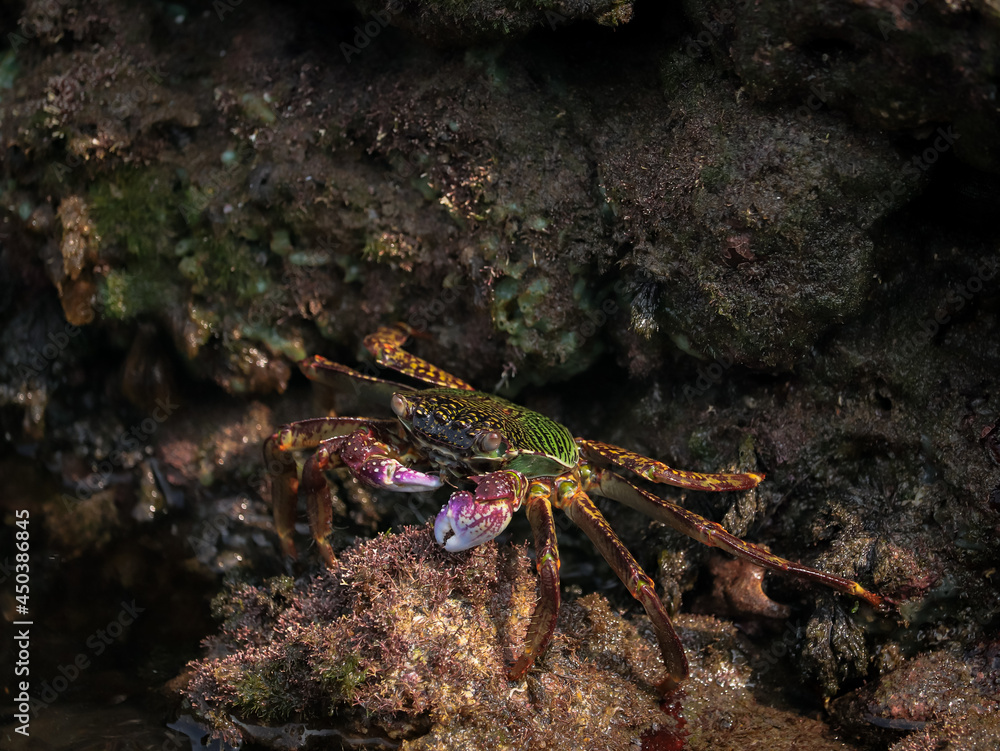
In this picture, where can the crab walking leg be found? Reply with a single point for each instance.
(386, 346)
(543, 620)
(281, 469)
(660, 472)
(607, 483)
(586, 516)
(318, 499)
(340, 377)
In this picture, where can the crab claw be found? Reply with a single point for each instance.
(388, 473)
(470, 522)
(475, 519)
(370, 460)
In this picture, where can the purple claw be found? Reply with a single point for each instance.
(383, 472)
(475, 519)
(370, 461)
(470, 522)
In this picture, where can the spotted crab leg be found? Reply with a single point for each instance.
(362, 444)
(331, 373)
(367, 454)
(543, 620)
(578, 506)
(607, 483)
(470, 519)
(386, 346)
(660, 472)
(370, 392)
(281, 469)
(319, 500)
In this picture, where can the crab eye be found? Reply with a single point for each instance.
(399, 405)
(491, 441)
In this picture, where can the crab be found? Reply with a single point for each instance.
(499, 457)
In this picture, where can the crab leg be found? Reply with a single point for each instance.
(660, 472)
(370, 393)
(369, 459)
(607, 483)
(578, 506)
(329, 373)
(358, 442)
(543, 620)
(319, 501)
(386, 346)
(281, 471)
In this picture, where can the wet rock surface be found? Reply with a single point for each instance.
(750, 237)
(411, 644)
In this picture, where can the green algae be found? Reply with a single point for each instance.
(258, 107)
(260, 688)
(139, 215)
(341, 675)
(533, 311)
(135, 209)
(8, 71)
